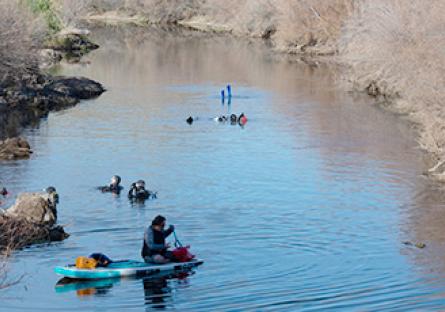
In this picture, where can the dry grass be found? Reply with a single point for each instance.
(13, 234)
(17, 233)
(20, 32)
(303, 26)
(69, 11)
(396, 47)
(5, 280)
(296, 26)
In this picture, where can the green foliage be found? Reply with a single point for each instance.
(45, 8)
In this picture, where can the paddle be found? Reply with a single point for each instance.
(177, 242)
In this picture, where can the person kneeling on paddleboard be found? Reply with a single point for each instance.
(154, 248)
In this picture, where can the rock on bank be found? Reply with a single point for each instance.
(23, 103)
(30, 220)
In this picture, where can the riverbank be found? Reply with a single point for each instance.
(32, 35)
(26, 102)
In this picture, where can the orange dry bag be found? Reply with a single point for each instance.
(85, 263)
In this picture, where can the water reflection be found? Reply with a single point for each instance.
(157, 292)
(85, 287)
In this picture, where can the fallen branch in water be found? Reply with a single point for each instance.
(5, 281)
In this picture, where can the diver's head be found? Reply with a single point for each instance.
(115, 180)
(52, 192)
(233, 118)
(140, 184)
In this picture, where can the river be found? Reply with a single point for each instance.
(306, 207)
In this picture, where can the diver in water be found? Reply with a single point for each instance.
(221, 118)
(114, 186)
(233, 119)
(191, 119)
(242, 120)
(52, 194)
(138, 191)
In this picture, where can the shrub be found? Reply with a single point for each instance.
(47, 10)
(396, 48)
(20, 33)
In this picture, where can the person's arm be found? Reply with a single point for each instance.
(130, 192)
(170, 230)
(103, 189)
(149, 239)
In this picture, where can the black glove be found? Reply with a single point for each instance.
(172, 227)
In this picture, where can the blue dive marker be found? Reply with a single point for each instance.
(229, 91)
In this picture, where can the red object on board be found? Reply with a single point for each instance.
(182, 254)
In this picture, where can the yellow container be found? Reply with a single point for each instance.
(85, 263)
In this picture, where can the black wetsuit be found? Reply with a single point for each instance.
(112, 188)
(140, 193)
(3, 192)
(233, 119)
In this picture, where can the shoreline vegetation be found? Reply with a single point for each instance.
(32, 37)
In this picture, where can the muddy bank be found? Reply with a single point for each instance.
(25, 102)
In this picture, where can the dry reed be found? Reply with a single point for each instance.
(395, 48)
(20, 33)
